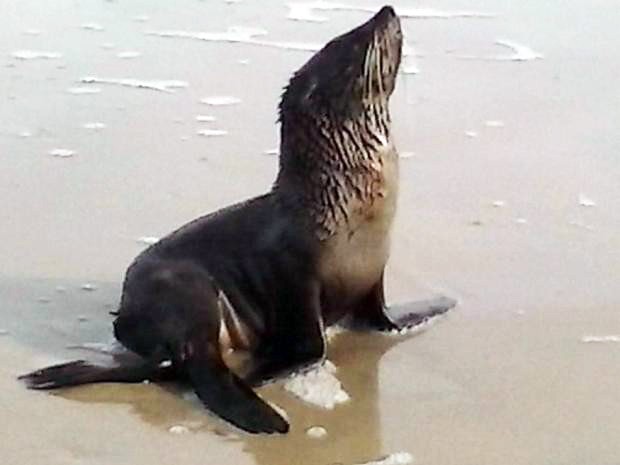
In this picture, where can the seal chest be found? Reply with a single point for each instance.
(354, 257)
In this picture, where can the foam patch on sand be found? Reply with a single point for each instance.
(331, 332)
(520, 52)
(92, 27)
(220, 100)
(601, 339)
(35, 55)
(254, 36)
(84, 90)
(128, 54)
(240, 35)
(62, 153)
(586, 201)
(318, 386)
(95, 125)
(211, 132)
(306, 11)
(397, 458)
(159, 85)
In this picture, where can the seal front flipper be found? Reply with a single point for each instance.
(225, 394)
(372, 313)
(298, 339)
(411, 314)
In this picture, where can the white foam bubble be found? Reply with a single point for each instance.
(520, 52)
(494, 124)
(211, 132)
(62, 153)
(159, 85)
(84, 90)
(316, 432)
(24, 134)
(601, 339)
(178, 429)
(92, 27)
(581, 224)
(128, 54)
(410, 68)
(397, 458)
(318, 386)
(586, 201)
(406, 155)
(498, 203)
(94, 125)
(471, 134)
(88, 287)
(232, 34)
(205, 118)
(35, 55)
(304, 12)
(147, 240)
(32, 32)
(220, 100)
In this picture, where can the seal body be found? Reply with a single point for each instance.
(268, 274)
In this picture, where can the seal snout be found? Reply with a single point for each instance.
(386, 13)
(386, 20)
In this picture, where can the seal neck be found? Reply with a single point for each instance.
(329, 165)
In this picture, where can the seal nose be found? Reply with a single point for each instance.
(385, 14)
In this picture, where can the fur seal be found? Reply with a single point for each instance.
(267, 275)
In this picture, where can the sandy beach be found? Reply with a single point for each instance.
(509, 202)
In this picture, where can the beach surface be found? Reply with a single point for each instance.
(120, 121)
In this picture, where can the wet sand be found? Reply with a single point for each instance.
(492, 218)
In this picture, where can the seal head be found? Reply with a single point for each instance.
(351, 72)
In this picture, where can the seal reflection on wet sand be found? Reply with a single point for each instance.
(268, 275)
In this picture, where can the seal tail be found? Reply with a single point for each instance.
(82, 372)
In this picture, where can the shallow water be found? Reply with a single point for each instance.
(520, 223)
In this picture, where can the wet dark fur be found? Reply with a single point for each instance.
(267, 255)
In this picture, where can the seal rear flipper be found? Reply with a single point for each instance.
(226, 395)
(82, 372)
